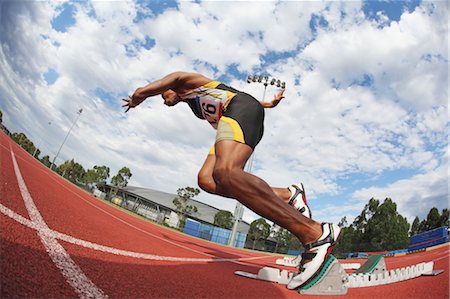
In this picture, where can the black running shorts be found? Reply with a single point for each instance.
(242, 121)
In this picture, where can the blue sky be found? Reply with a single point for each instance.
(365, 114)
(65, 18)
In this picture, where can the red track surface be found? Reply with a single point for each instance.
(27, 269)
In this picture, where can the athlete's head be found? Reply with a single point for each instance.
(170, 97)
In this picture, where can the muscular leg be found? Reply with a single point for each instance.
(206, 181)
(232, 181)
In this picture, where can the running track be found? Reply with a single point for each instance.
(58, 241)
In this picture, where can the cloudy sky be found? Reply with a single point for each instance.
(365, 114)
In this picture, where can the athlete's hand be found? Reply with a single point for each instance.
(129, 103)
(277, 98)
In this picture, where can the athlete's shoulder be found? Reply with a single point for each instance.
(192, 79)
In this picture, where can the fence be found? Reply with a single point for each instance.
(212, 233)
(430, 238)
(146, 209)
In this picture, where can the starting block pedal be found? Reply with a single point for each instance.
(330, 281)
(375, 264)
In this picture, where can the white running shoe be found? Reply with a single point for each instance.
(299, 203)
(316, 255)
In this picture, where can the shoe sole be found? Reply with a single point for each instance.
(329, 250)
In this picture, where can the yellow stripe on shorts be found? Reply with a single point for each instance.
(212, 151)
(237, 133)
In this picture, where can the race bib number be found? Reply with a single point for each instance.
(209, 102)
(211, 110)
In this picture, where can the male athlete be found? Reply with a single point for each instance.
(238, 119)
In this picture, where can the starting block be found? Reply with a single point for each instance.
(269, 274)
(330, 281)
(289, 261)
(333, 280)
(375, 264)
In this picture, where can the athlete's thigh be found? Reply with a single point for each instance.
(231, 154)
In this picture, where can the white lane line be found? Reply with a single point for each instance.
(73, 274)
(86, 244)
(131, 225)
(239, 261)
(444, 256)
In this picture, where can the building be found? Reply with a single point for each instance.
(158, 206)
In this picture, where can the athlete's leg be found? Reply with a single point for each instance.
(206, 181)
(232, 181)
(205, 178)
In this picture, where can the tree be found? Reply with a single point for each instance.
(259, 230)
(72, 171)
(349, 240)
(181, 202)
(46, 161)
(386, 229)
(1, 116)
(121, 178)
(224, 219)
(433, 220)
(282, 237)
(294, 243)
(379, 227)
(22, 140)
(343, 222)
(436, 220)
(96, 176)
(444, 221)
(415, 227)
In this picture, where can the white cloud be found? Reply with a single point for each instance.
(328, 127)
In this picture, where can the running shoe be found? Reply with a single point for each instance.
(315, 256)
(299, 202)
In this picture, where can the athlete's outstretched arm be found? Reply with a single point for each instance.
(276, 100)
(177, 81)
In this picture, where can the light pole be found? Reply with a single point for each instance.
(239, 209)
(76, 119)
(35, 151)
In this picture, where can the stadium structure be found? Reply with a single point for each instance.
(158, 206)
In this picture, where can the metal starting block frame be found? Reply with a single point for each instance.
(333, 280)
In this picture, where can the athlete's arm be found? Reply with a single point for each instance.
(177, 81)
(276, 100)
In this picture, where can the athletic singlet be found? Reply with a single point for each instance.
(209, 101)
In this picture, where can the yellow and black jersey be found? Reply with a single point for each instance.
(236, 115)
(210, 101)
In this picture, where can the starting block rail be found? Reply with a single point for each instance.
(333, 280)
(387, 277)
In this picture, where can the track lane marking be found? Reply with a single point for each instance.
(73, 274)
(90, 245)
(129, 224)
